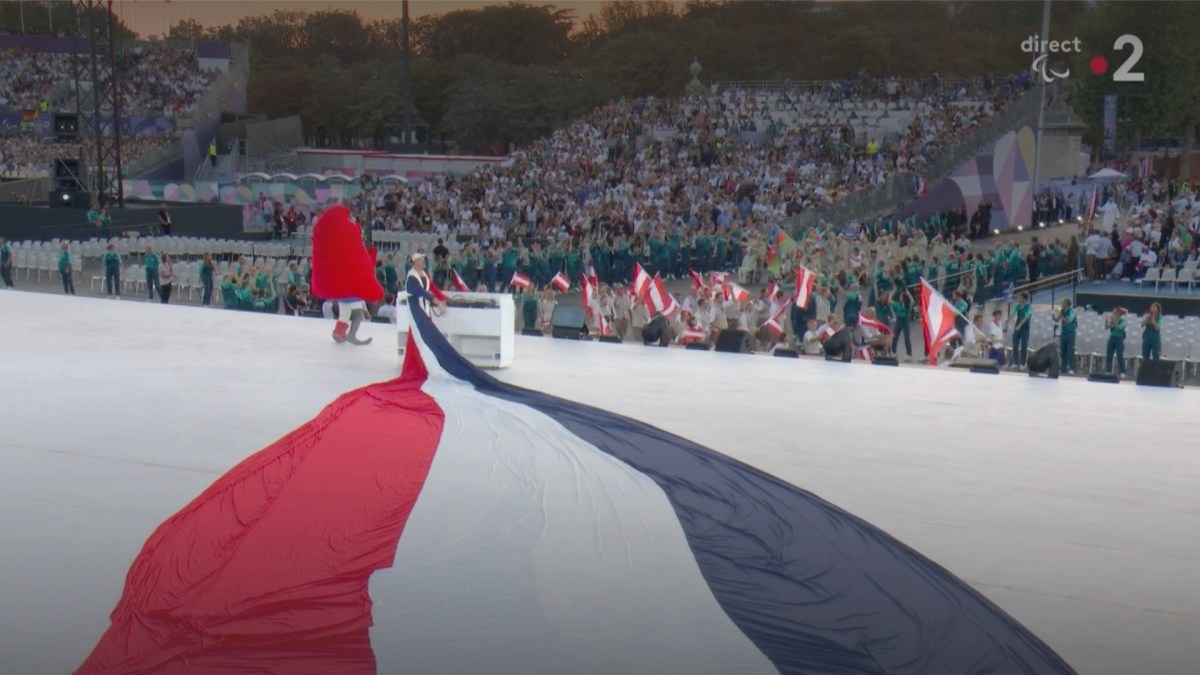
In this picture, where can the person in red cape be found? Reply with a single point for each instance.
(344, 270)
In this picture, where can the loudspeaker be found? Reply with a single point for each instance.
(787, 353)
(697, 346)
(66, 127)
(568, 322)
(1044, 360)
(612, 339)
(733, 342)
(992, 369)
(1104, 377)
(70, 199)
(532, 332)
(886, 361)
(1160, 374)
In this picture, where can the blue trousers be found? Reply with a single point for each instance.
(901, 327)
(152, 281)
(1116, 347)
(112, 281)
(1020, 345)
(1151, 346)
(206, 296)
(1066, 342)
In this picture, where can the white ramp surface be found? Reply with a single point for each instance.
(1071, 505)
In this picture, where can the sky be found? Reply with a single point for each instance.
(152, 17)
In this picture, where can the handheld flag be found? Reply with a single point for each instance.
(561, 282)
(459, 284)
(520, 280)
(874, 324)
(738, 293)
(640, 282)
(938, 319)
(805, 279)
(697, 280)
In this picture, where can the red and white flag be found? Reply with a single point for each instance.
(691, 335)
(591, 275)
(588, 290)
(520, 280)
(457, 280)
(561, 282)
(875, 324)
(736, 292)
(658, 300)
(1093, 203)
(718, 283)
(696, 279)
(640, 282)
(603, 324)
(937, 316)
(865, 353)
(774, 327)
(772, 290)
(805, 279)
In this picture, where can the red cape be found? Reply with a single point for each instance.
(342, 267)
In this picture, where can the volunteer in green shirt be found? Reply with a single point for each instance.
(207, 268)
(1022, 315)
(6, 262)
(1152, 334)
(1068, 322)
(65, 270)
(1115, 323)
(852, 306)
(150, 261)
(112, 271)
(901, 307)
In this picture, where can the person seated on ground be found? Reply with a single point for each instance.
(692, 331)
(294, 302)
(229, 291)
(811, 343)
(995, 338)
(388, 309)
(978, 348)
(879, 342)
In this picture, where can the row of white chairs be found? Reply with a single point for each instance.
(1188, 275)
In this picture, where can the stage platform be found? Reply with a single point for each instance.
(1104, 296)
(114, 415)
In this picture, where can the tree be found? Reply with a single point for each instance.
(514, 33)
(1167, 103)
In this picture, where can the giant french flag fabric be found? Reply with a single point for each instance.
(446, 522)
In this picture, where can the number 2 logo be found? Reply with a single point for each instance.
(1126, 73)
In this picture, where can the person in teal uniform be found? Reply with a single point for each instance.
(489, 270)
(112, 271)
(671, 254)
(602, 260)
(737, 252)
(150, 261)
(933, 270)
(1152, 333)
(982, 280)
(686, 242)
(852, 306)
(912, 274)
(207, 269)
(556, 260)
(391, 278)
(264, 281)
(541, 266)
(528, 299)
(6, 262)
(1068, 323)
(883, 287)
(720, 250)
(1115, 323)
(66, 270)
(508, 263)
(703, 253)
(229, 291)
(573, 262)
(901, 307)
(1022, 316)
(380, 274)
(952, 270)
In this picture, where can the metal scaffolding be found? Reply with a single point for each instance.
(98, 98)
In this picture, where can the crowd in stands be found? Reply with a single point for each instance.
(26, 78)
(156, 81)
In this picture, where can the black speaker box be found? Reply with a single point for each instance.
(569, 322)
(886, 361)
(993, 369)
(1160, 374)
(733, 342)
(612, 339)
(697, 346)
(66, 127)
(787, 353)
(532, 332)
(1104, 378)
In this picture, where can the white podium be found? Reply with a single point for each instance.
(480, 326)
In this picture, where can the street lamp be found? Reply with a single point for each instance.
(368, 183)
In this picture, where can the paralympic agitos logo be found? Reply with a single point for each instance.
(1098, 63)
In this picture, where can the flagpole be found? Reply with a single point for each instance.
(21, 5)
